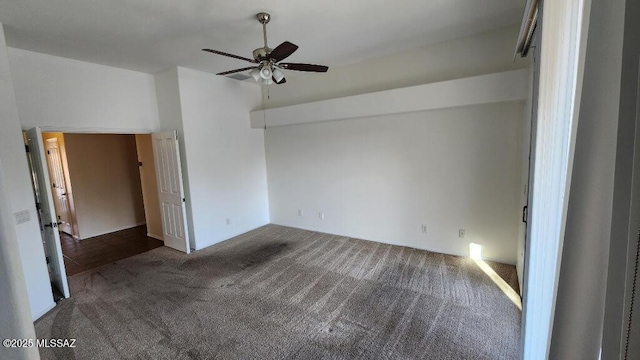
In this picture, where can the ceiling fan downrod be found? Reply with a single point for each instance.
(264, 18)
(261, 53)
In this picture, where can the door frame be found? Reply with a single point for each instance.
(531, 158)
(560, 82)
(52, 244)
(67, 187)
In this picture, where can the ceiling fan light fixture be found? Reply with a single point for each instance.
(255, 74)
(268, 81)
(266, 73)
(278, 75)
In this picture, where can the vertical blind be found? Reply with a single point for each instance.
(632, 336)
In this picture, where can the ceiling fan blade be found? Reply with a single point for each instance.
(281, 81)
(236, 70)
(231, 55)
(283, 51)
(304, 67)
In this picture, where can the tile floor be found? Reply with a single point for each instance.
(82, 255)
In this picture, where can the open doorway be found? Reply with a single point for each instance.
(117, 195)
(97, 199)
(105, 197)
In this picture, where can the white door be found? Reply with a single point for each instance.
(51, 237)
(170, 190)
(58, 185)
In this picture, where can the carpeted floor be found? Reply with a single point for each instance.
(284, 293)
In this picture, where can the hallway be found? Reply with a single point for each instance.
(83, 255)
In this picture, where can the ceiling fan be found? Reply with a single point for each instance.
(269, 68)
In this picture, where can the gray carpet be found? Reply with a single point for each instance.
(284, 293)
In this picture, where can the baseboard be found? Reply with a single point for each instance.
(44, 311)
(115, 230)
(436, 250)
(233, 234)
(158, 237)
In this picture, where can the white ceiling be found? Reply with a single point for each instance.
(151, 35)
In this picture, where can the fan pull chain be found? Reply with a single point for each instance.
(264, 115)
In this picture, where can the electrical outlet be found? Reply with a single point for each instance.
(321, 216)
(300, 213)
(461, 233)
(424, 228)
(22, 216)
(228, 221)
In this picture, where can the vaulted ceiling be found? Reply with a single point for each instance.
(151, 35)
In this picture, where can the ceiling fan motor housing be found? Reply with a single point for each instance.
(261, 53)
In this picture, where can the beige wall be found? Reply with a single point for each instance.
(106, 182)
(144, 147)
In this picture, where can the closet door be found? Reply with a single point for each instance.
(171, 190)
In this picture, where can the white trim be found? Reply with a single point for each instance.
(44, 311)
(561, 67)
(158, 237)
(484, 89)
(115, 230)
(391, 242)
(90, 130)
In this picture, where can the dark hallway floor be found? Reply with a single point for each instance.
(83, 255)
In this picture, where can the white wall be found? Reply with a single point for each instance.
(170, 119)
(380, 178)
(224, 156)
(15, 316)
(465, 57)
(60, 94)
(20, 194)
(313, 183)
(482, 89)
(103, 169)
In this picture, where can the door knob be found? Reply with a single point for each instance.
(53, 224)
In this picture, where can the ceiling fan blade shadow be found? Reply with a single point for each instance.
(236, 70)
(304, 67)
(283, 51)
(276, 81)
(231, 55)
